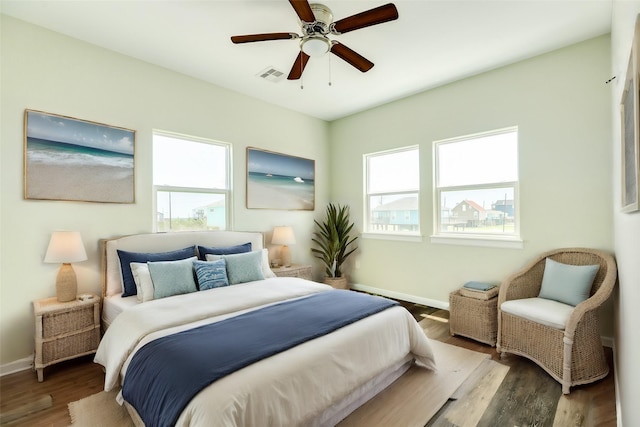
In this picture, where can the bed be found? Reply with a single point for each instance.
(316, 379)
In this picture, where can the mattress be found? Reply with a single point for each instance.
(113, 305)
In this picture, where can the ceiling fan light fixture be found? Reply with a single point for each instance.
(315, 45)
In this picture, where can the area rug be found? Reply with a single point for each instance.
(420, 393)
(99, 410)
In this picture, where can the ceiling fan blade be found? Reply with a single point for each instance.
(352, 57)
(303, 10)
(374, 16)
(263, 37)
(298, 66)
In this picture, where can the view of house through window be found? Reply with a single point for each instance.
(191, 182)
(392, 187)
(476, 183)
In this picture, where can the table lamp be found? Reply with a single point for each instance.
(283, 235)
(65, 247)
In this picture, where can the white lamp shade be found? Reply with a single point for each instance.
(283, 235)
(65, 247)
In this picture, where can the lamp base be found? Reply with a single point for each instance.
(285, 256)
(66, 283)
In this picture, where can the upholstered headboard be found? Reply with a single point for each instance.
(163, 242)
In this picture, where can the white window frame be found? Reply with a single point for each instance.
(226, 192)
(388, 235)
(508, 240)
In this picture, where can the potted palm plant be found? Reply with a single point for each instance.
(334, 243)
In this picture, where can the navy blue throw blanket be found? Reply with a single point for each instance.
(165, 374)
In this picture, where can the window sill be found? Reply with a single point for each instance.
(486, 241)
(390, 236)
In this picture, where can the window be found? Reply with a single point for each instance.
(191, 181)
(476, 180)
(391, 186)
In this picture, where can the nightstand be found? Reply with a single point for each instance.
(294, 270)
(65, 330)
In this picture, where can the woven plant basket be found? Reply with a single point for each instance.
(337, 282)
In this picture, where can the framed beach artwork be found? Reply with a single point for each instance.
(279, 181)
(630, 149)
(77, 160)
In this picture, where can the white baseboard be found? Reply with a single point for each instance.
(443, 305)
(16, 366)
(616, 387)
(401, 296)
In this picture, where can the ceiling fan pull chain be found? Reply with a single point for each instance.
(329, 70)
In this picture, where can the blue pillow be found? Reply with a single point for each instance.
(172, 277)
(568, 284)
(241, 268)
(223, 250)
(211, 274)
(126, 258)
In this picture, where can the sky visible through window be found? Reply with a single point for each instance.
(184, 163)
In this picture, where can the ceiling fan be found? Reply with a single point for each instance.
(316, 22)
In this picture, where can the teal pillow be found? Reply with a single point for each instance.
(241, 268)
(568, 284)
(211, 274)
(172, 277)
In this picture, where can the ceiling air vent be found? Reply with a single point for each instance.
(271, 74)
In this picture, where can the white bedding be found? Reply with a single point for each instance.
(292, 388)
(113, 305)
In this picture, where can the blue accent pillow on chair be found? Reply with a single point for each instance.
(565, 283)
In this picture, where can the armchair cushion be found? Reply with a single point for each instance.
(540, 310)
(568, 284)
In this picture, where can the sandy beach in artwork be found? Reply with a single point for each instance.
(93, 183)
(263, 196)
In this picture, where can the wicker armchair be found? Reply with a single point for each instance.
(572, 356)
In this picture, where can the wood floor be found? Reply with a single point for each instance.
(526, 396)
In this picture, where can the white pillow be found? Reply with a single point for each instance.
(266, 270)
(142, 278)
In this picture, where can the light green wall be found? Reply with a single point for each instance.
(46, 71)
(558, 100)
(627, 231)
(562, 107)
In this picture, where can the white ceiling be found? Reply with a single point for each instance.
(433, 42)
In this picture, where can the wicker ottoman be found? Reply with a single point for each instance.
(473, 318)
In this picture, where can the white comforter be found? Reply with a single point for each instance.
(292, 388)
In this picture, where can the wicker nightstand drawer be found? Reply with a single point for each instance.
(295, 270)
(65, 330)
(70, 346)
(59, 323)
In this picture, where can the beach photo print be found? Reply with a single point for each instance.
(77, 160)
(279, 181)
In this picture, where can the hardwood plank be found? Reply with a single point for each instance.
(27, 408)
(469, 409)
(573, 410)
(65, 382)
(526, 397)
